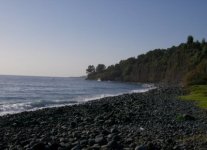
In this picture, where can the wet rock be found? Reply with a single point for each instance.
(100, 140)
(114, 130)
(76, 147)
(83, 142)
(39, 146)
(110, 136)
(151, 146)
(188, 117)
(129, 141)
(116, 138)
(95, 147)
(91, 142)
(141, 147)
(113, 145)
(54, 146)
(73, 124)
(65, 145)
(63, 140)
(105, 132)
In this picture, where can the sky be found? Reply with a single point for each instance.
(63, 37)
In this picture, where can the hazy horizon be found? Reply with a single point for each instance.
(61, 38)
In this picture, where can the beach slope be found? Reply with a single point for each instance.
(157, 119)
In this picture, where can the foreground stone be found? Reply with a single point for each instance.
(140, 121)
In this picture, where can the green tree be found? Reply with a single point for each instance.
(203, 41)
(185, 64)
(90, 69)
(100, 68)
(190, 40)
(204, 51)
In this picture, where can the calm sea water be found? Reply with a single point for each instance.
(22, 93)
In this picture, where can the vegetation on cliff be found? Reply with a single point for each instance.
(184, 64)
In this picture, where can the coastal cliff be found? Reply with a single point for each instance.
(183, 64)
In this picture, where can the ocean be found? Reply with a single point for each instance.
(26, 93)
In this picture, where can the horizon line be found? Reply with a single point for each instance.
(46, 76)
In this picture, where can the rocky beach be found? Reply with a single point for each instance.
(153, 120)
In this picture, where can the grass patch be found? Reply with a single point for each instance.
(197, 93)
(194, 138)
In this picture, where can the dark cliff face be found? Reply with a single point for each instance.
(180, 64)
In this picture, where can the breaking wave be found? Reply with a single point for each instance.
(28, 94)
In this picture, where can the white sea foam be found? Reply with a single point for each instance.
(18, 94)
(146, 88)
(12, 108)
(143, 90)
(31, 106)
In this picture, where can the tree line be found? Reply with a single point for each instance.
(185, 64)
(99, 68)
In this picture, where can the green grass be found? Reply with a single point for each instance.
(197, 93)
(196, 138)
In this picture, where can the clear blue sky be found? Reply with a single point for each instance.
(63, 37)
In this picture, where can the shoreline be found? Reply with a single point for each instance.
(146, 88)
(156, 119)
